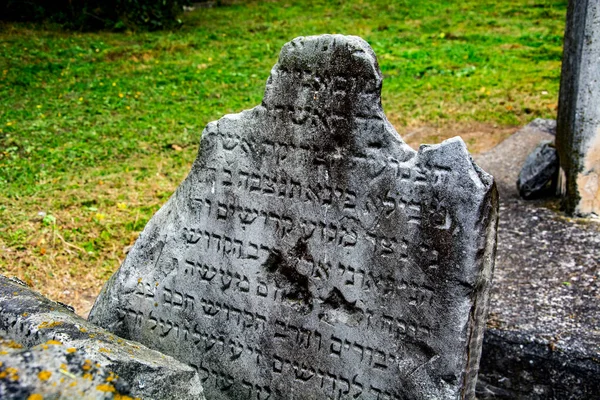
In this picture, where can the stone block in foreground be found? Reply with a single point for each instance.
(47, 350)
(310, 253)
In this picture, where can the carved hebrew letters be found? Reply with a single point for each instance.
(311, 254)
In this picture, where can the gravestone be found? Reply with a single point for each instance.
(578, 120)
(310, 253)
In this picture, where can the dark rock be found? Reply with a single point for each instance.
(48, 350)
(539, 173)
(311, 253)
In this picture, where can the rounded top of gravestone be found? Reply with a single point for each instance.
(335, 72)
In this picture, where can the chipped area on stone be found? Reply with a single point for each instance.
(310, 253)
(60, 355)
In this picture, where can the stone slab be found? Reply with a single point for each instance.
(543, 337)
(578, 119)
(50, 351)
(312, 254)
(519, 366)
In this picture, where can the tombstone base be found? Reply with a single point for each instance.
(515, 366)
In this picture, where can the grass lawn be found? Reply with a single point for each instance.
(98, 129)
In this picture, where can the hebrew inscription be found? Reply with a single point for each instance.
(310, 253)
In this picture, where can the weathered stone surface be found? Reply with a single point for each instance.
(539, 172)
(48, 350)
(310, 253)
(50, 371)
(542, 125)
(578, 120)
(519, 366)
(543, 340)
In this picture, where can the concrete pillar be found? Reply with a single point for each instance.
(578, 122)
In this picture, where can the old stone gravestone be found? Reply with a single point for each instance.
(310, 253)
(578, 119)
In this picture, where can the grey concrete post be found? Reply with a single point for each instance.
(578, 125)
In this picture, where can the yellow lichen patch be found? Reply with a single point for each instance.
(44, 375)
(106, 388)
(112, 377)
(35, 396)
(73, 384)
(83, 330)
(139, 280)
(12, 344)
(92, 335)
(54, 342)
(88, 376)
(104, 350)
(25, 314)
(63, 366)
(3, 352)
(10, 373)
(46, 324)
(71, 350)
(87, 365)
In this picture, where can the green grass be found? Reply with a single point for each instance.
(77, 110)
(81, 100)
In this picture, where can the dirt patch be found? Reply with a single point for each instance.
(479, 136)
